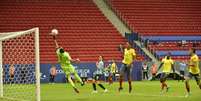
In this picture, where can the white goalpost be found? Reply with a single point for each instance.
(20, 66)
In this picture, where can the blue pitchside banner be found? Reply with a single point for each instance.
(88, 68)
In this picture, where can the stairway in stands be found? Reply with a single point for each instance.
(83, 30)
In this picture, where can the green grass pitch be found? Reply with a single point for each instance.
(142, 91)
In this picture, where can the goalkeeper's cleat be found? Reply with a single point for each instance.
(105, 91)
(82, 84)
(94, 92)
(76, 90)
(120, 89)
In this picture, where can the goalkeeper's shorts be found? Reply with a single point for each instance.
(69, 69)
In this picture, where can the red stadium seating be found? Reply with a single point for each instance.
(83, 30)
(160, 17)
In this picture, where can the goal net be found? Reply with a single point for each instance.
(19, 66)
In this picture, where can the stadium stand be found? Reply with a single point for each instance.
(165, 24)
(160, 17)
(83, 29)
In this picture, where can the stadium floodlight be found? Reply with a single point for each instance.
(20, 50)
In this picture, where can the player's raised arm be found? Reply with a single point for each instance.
(192, 64)
(173, 69)
(121, 49)
(55, 32)
(134, 55)
(75, 60)
(160, 66)
(56, 44)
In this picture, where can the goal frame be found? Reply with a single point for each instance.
(10, 35)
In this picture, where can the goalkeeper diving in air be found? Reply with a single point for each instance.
(65, 60)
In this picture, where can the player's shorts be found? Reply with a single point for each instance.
(153, 74)
(196, 76)
(98, 77)
(125, 69)
(111, 74)
(182, 73)
(164, 76)
(52, 76)
(69, 69)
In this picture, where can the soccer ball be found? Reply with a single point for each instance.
(54, 32)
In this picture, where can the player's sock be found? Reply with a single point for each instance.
(200, 85)
(79, 79)
(120, 82)
(187, 87)
(162, 86)
(167, 89)
(101, 86)
(94, 86)
(165, 85)
(76, 90)
(130, 86)
(71, 82)
(110, 80)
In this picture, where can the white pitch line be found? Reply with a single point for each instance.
(149, 95)
(14, 99)
(140, 94)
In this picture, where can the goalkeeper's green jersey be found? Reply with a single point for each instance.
(63, 58)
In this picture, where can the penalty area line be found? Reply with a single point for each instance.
(13, 99)
(149, 95)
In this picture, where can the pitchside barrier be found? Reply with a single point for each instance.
(87, 67)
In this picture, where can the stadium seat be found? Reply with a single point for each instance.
(83, 30)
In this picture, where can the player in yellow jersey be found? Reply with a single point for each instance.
(167, 65)
(113, 71)
(129, 56)
(194, 71)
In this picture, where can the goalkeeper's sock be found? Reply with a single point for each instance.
(71, 82)
(94, 86)
(101, 86)
(79, 79)
(76, 90)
